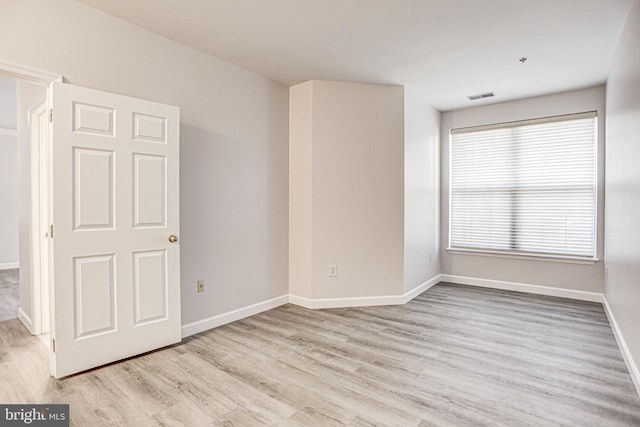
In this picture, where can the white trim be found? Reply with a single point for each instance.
(634, 372)
(9, 265)
(516, 255)
(241, 313)
(408, 296)
(38, 143)
(523, 287)
(319, 303)
(26, 320)
(527, 122)
(30, 74)
(9, 132)
(231, 316)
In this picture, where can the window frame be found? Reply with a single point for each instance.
(500, 253)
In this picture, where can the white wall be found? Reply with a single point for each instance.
(7, 103)
(234, 141)
(355, 187)
(421, 191)
(8, 175)
(622, 238)
(8, 201)
(579, 277)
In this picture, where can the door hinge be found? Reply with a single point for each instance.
(53, 345)
(51, 231)
(50, 115)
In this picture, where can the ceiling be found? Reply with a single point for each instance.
(443, 49)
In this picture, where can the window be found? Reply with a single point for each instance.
(526, 188)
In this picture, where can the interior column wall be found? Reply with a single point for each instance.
(622, 237)
(421, 192)
(348, 150)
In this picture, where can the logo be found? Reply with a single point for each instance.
(34, 415)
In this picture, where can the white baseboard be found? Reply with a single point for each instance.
(408, 296)
(231, 316)
(9, 265)
(626, 354)
(523, 287)
(26, 320)
(318, 303)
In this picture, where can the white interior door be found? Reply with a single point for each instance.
(115, 204)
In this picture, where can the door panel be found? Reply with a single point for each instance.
(94, 295)
(151, 286)
(149, 190)
(149, 128)
(93, 119)
(93, 187)
(116, 278)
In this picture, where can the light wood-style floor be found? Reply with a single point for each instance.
(454, 356)
(9, 294)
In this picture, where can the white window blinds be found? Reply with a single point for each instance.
(525, 187)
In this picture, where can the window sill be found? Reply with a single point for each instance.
(532, 257)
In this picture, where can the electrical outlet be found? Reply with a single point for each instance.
(200, 285)
(333, 270)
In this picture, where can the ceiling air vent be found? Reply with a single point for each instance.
(480, 96)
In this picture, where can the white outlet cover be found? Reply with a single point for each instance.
(333, 270)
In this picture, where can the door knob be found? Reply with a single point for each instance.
(173, 238)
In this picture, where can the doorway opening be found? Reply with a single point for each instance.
(24, 258)
(105, 172)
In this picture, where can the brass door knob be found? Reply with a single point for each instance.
(173, 238)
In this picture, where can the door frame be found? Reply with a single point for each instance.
(39, 158)
(40, 214)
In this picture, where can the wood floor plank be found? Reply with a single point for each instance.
(454, 356)
(9, 294)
